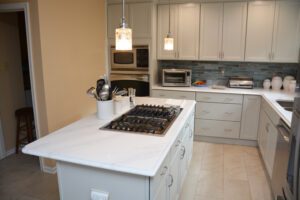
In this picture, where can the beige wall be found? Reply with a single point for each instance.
(11, 79)
(72, 43)
(68, 57)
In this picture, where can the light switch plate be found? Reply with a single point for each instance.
(99, 195)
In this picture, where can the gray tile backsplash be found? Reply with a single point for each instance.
(219, 72)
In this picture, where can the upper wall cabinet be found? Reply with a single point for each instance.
(138, 16)
(286, 36)
(222, 31)
(211, 31)
(273, 39)
(163, 29)
(234, 31)
(184, 29)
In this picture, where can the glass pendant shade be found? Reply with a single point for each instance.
(169, 43)
(123, 38)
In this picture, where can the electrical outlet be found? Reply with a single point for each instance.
(99, 195)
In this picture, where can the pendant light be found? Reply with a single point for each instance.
(123, 34)
(169, 41)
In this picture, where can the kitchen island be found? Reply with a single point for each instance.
(93, 163)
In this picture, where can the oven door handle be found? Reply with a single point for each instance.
(283, 132)
(131, 77)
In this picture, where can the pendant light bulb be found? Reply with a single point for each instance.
(169, 41)
(123, 34)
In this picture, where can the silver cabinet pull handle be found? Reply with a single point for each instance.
(191, 132)
(183, 152)
(228, 99)
(172, 180)
(164, 171)
(228, 113)
(267, 127)
(177, 144)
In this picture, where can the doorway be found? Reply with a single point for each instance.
(16, 71)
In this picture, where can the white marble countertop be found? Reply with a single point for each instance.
(83, 143)
(269, 95)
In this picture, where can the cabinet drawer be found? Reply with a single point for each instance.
(270, 112)
(218, 111)
(173, 94)
(219, 98)
(214, 128)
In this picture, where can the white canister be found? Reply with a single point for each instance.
(276, 83)
(292, 86)
(105, 109)
(267, 84)
(286, 82)
(122, 104)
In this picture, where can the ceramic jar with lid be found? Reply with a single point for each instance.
(276, 83)
(267, 84)
(286, 82)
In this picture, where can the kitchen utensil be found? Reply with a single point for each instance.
(100, 84)
(276, 83)
(267, 84)
(104, 95)
(92, 93)
(121, 92)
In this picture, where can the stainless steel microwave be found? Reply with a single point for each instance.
(176, 77)
(135, 59)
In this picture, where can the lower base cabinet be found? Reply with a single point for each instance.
(267, 138)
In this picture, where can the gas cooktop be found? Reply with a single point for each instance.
(145, 119)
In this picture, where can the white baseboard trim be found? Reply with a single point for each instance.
(10, 152)
(49, 170)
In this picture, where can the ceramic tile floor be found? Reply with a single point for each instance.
(225, 172)
(21, 179)
(217, 172)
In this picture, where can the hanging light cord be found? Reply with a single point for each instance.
(123, 14)
(169, 33)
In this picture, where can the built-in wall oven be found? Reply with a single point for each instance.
(291, 189)
(138, 81)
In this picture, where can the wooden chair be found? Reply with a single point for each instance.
(24, 125)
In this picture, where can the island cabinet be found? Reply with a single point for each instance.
(167, 183)
(267, 135)
(84, 182)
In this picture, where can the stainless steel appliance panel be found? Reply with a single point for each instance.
(281, 159)
(291, 189)
(176, 77)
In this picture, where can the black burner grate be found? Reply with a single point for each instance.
(146, 119)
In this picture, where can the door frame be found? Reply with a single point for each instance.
(14, 7)
(2, 145)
